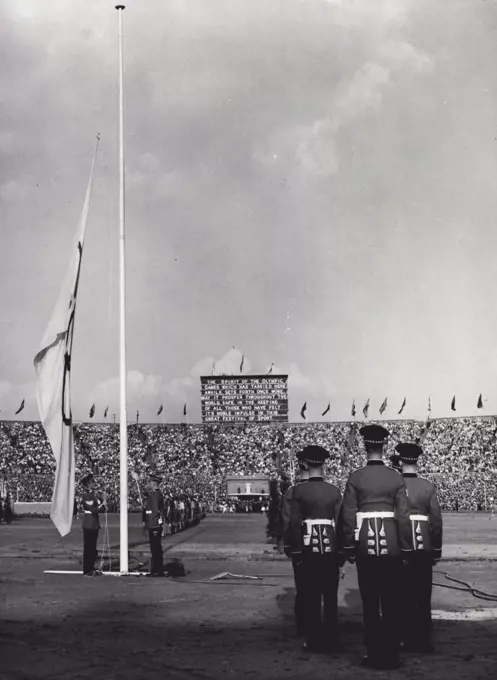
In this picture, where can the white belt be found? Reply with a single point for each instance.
(88, 512)
(361, 516)
(419, 518)
(148, 512)
(309, 523)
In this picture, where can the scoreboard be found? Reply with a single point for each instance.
(241, 399)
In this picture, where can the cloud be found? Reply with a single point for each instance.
(375, 49)
(318, 153)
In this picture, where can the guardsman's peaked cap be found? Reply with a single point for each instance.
(374, 434)
(314, 455)
(409, 453)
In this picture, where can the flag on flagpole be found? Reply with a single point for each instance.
(383, 407)
(429, 407)
(53, 368)
(270, 369)
(303, 410)
(353, 409)
(92, 411)
(326, 409)
(161, 408)
(184, 410)
(213, 367)
(453, 404)
(20, 407)
(365, 410)
(403, 405)
(106, 411)
(480, 402)
(241, 363)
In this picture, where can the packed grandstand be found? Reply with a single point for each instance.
(194, 460)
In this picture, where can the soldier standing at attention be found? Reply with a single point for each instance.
(376, 533)
(313, 544)
(426, 528)
(91, 507)
(153, 520)
(303, 476)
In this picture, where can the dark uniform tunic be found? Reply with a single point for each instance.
(296, 561)
(312, 537)
(426, 530)
(376, 530)
(153, 517)
(91, 525)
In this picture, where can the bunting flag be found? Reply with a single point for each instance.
(161, 408)
(53, 368)
(184, 410)
(365, 410)
(303, 410)
(353, 409)
(453, 404)
(480, 402)
(241, 363)
(403, 405)
(270, 369)
(20, 407)
(92, 411)
(383, 407)
(326, 409)
(106, 411)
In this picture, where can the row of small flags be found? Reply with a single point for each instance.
(303, 410)
(383, 407)
(161, 408)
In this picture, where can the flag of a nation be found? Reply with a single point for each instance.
(53, 369)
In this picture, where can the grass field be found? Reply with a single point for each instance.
(66, 627)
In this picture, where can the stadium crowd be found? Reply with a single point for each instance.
(193, 460)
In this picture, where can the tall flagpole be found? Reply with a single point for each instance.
(123, 558)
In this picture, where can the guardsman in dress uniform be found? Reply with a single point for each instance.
(91, 507)
(426, 528)
(313, 542)
(153, 519)
(303, 476)
(376, 533)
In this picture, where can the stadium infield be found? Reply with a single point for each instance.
(57, 627)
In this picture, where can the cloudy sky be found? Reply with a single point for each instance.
(312, 182)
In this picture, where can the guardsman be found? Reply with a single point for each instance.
(313, 543)
(375, 531)
(303, 475)
(426, 528)
(153, 519)
(91, 507)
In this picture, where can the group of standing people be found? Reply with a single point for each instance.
(160, 517)
(389, 524)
